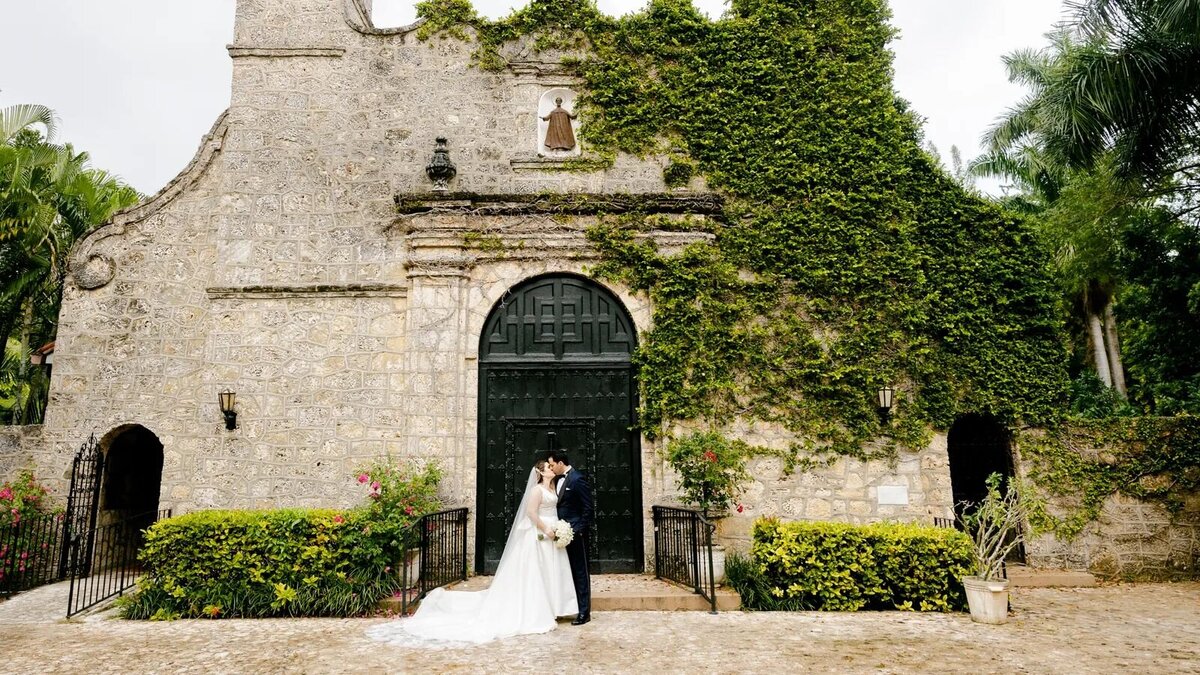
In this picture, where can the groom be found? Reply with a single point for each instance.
(576, 507)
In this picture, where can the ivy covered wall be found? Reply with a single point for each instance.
(1121, 496)
(845, 259)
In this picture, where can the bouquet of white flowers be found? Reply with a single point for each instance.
(563, 534)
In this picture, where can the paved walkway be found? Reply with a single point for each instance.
(1147, 628)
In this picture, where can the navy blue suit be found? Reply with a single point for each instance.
(575, 505)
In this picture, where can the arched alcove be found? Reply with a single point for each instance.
(978, 446)
(133, 463)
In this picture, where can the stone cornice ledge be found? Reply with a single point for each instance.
(238, 51)
(700, 203)
(308, 291)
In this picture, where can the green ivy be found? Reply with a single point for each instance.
(844, 258)
(1152, 459)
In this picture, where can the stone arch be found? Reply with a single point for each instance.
(555, 357)
(132, 482)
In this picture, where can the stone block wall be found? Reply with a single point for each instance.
(17, 447)
(277, 266)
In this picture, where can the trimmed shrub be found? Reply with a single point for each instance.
(836, 566)
(289, 562)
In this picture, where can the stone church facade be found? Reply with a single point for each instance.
(307, 261)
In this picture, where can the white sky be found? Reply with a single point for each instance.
(136, 83)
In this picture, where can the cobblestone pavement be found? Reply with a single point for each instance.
(1146, 628)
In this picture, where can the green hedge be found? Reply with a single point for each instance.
(835, 566)
(291, 562)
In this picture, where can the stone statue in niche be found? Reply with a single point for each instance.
(559, 135)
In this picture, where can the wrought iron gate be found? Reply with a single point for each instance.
(83, 505)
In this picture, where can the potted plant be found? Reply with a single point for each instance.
(710, 471)
(995, 526)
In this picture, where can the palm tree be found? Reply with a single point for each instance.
(1024, 146)
(49, 198)
(1133, 89)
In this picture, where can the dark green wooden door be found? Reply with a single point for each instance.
(555, 359)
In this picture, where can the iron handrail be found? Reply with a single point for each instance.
(683, 543)
(441, 553)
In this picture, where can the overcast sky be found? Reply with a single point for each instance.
(136, 83)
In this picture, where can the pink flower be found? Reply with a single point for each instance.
(376, 486)
(710, 455)
(362, 478)
(6, 493)
(338, 519)
(408, 510)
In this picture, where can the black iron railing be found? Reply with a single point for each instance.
(29, 553)
(683, 540)
(105, 563)
(435, 554)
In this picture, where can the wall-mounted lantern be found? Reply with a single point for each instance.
(887, 399)
(227, 399)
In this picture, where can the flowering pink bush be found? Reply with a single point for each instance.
(23, 498)
(398, 494)
(710, 469)
(23, 503)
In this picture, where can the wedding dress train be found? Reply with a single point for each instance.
(531, 588)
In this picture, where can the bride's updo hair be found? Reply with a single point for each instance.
(538, 466)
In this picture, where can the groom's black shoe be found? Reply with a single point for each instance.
(581, 619)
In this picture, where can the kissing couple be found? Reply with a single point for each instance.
(538, 579)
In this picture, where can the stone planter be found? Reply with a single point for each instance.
(412, 563)
(718, 554)
(988, 600)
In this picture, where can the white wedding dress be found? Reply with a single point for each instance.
(532, 587)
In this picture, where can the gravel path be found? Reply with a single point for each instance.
(1144, 628)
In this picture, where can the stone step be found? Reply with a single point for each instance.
(625, 592)
(1021, 576)
(727, 601)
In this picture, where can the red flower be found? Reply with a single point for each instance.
(710, 456)
(408, 510)
(740, 508)
(338, 519)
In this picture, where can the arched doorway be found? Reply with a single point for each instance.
(978, 446)
(133, 466)
(555, 358)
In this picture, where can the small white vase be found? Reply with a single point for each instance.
(988, 600)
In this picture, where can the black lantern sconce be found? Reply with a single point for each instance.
(227, 399)
(887, 399)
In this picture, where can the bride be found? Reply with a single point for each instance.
(531, 588)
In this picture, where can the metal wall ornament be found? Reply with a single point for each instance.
(440, 169)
